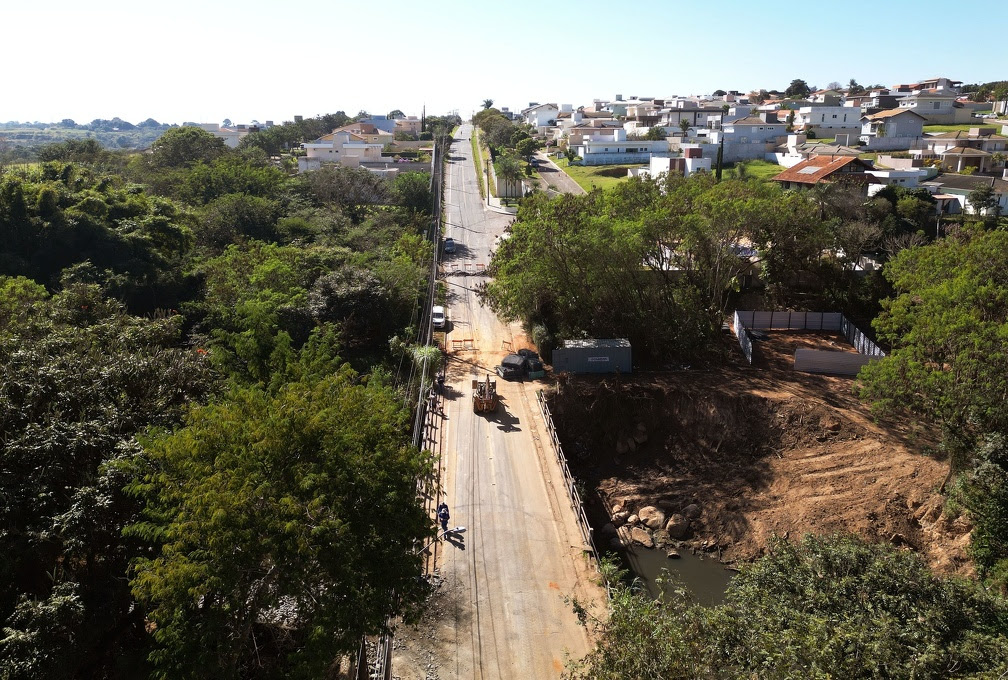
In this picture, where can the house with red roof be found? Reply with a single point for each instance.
(846, 169)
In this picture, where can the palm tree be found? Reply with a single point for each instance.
(508, 170)
(684, 125)
(487, 103)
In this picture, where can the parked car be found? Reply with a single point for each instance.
(533, 364)
(438, 316)
(449, 245)
(512, 367)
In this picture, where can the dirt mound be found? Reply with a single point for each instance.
(761, 455)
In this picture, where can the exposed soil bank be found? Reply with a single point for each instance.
(740, 455)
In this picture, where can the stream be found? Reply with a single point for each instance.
(704, 577)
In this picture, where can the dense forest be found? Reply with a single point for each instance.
(206, 467)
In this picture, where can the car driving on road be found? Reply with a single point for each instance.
(449, 245)
(438, 316)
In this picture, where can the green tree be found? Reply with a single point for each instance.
(798, 89)
(184, 146)
(822, 608)
(395, 114)
(80, 380)
(412, 191)
(983, 200)
(487, 103)
(684, 125)
(655, 133)
(946, 326)
(289, 518)
(527, 148)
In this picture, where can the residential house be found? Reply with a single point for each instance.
(936, 108)
(368, 132)
(826, 121)
(339, 146)
(540, 115)
(577, 134)
(611, 146)
(960, 149)
(827, 97)
(410, 125)
(898, 128)
(877, 101)
(751, 129)
(233, 134)
(959, 187)
(846, 169)
(690, 162)
(798, 149)
(906, 177)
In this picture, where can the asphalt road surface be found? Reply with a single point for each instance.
(502, 613)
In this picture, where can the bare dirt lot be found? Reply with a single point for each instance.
(761, 450)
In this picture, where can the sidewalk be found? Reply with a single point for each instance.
(492, 203)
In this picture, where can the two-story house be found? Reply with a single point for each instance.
(936, 108)
(898, 128)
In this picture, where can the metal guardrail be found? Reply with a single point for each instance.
(574, 496)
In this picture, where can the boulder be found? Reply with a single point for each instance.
(641, 537)
(678, 527)
(617, 508)
(667, 506)
(692, 511)
(621, 447)
(631, 444)
(615, 543)
(608, 530)
(633, 519)
(672, 554)
(651, 517)
(620, 518)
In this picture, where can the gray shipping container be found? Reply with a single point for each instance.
(593, 356)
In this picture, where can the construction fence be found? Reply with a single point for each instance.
(746, 321)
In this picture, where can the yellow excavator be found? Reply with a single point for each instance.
(484, 395)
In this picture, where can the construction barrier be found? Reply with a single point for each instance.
(744, 321)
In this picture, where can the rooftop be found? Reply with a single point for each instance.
(817, 168)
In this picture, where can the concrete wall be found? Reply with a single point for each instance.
(890, 143)
(615, 158)
(834, 363)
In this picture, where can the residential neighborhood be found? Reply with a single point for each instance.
(904, 134)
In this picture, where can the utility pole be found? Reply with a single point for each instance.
(720, 150)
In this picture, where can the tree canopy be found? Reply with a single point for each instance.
(820, 608)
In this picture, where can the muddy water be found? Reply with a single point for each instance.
(704, 577)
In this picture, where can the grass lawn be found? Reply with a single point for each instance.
(477, 162)
(957, 128)
(763, 170)
(592, 176)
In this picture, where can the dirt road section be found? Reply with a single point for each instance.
(499, 609)
(760, 451)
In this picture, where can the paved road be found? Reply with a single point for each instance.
(555, 178)
(522, 553)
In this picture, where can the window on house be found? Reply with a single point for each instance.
(936, 105)
(834, 116)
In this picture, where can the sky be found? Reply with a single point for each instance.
(212, 60)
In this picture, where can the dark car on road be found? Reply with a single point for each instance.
(449, 245)
(532, 363)
(512, 367)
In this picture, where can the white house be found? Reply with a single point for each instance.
(828, 118)
(960, 186)
(611, 146)
(749, 130)
(540, 115)
(690, 162)
(909, 178)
